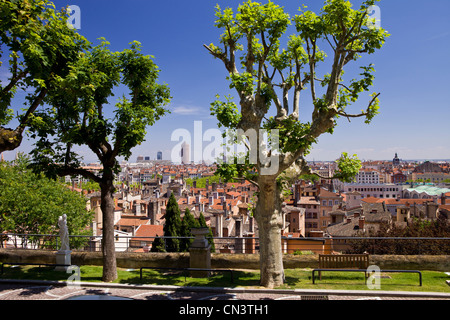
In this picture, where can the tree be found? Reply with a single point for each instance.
(263, 74)
(158, 245)
(202, 224)
(31, 203)
(172, 224)
(79, 114)
(392, 239)
(187, 224)
(41, 47)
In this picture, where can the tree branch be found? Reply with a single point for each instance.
(249, 180)
(37, 101)
(69, 171)
(343, 114)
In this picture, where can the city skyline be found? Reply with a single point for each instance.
(414, 111)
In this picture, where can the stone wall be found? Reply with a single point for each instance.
(219, 260)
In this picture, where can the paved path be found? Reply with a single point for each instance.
(51, 290)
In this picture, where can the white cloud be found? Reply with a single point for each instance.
(187, 110)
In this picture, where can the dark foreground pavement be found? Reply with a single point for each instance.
(31, 299)
(54, 290)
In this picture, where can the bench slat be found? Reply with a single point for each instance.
(358, 261)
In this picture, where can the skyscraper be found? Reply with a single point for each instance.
(185, 153)
(159, 155)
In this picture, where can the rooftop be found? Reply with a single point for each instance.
(430, 190)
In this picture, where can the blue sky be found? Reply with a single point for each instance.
(411, 73)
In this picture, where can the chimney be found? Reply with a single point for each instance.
(219, 225)
(349, 219)
(239, 229)
(362, 219)
(443, 199)
(251, 225)
(356, 214)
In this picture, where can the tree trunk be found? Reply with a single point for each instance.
(269, 217)
(10, 139)
(108, 246)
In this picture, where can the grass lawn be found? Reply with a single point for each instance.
(295, 278)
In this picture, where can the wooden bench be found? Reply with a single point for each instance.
(351, 263)
(342, 261)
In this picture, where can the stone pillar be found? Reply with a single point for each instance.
(200, 253)
(63, 257)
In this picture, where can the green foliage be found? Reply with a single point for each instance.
(235, 168)
(31, 203)
(158, 245)
(226, 112)
(90, 185)
(202, 224)
(41, 48)
(292, 134)
(348, 167)
(172, 224)
(78, 113)
(187, 224)
(201, 182)
(253, 33)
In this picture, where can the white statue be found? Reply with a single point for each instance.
(63, 232)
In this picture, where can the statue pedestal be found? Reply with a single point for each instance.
(63, 257)
(200, 253)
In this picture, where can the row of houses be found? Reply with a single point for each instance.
(313, 210)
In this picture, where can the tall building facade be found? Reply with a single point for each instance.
(185, 153)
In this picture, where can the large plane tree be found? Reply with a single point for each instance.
(265, 74)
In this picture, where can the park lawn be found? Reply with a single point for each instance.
(433, 281)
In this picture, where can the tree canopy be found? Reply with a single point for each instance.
(41, 46)
(31, 203)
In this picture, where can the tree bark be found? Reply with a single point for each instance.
(10, 139)
(108, 246)
(268, 215)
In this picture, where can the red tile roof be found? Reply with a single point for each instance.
(149, 230)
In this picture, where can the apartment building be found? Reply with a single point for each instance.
(376, 190)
